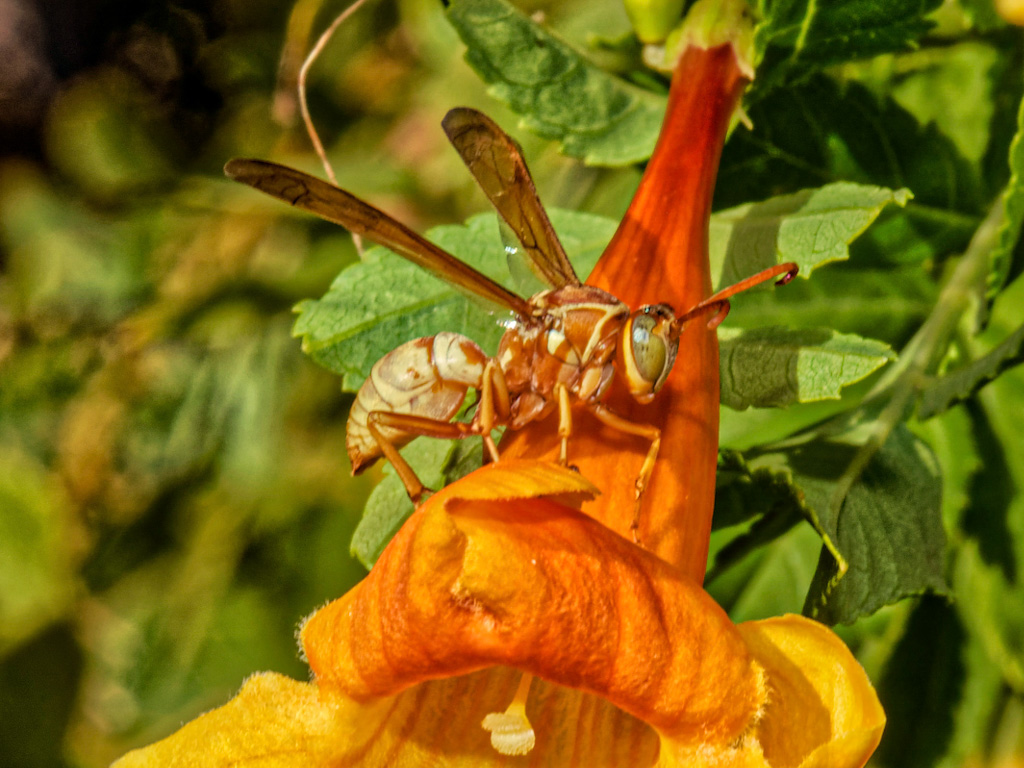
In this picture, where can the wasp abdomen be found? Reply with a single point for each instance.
(425, 377)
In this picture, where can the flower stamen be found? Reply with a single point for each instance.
(511, 732)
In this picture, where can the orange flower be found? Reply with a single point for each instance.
(495, 574)
(499, 589)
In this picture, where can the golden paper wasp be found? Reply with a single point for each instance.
(564, 344)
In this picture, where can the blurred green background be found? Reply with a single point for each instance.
(174, 490)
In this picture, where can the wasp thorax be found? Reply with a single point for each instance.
(648, 350)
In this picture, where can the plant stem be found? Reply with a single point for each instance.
(910, 374)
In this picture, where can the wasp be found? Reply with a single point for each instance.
(564, 344)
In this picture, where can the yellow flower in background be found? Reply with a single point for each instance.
(1012, 11)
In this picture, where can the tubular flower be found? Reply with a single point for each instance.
(519, 585)
(659, 254)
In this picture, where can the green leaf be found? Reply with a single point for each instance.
(823, 132)
(964, 382)
(812, 227)
(743, 492)
(887, 542)
(798, 36)
(752, 544)
(384, 300)
(597, 117)
(768, 367)
(436, 463)
(763, 497)
(1001, 259)
(743, 430)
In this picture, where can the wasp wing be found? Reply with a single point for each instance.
(496, 161)
(336, 205)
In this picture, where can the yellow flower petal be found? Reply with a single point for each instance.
(273, 722)
(822, 711)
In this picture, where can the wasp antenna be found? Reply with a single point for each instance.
(787, 269)
(720, 315)
(719, 303)
(790, 274)
(720, 307)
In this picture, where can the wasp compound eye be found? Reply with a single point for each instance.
(648, 350)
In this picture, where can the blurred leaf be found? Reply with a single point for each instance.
(982, 14)
(253, 391)
(156, 645)
(597, 117)
(66, 266)
(248, 630)
(976, 707)
(106, 133)
(952, 87)
(777, 582)
(383, 301)
(1001, 259)
(887, 542)
(37, 567)
(921, 687)
(987, 570)
(951, 438)
(812, 227)
(798, 36)
(964, 382)
(994, 611)
(768, 367)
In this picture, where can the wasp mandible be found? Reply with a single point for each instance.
(565, 343)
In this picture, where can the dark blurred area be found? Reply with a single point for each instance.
(48, 44)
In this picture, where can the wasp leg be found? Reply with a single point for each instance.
(564, 422)
(495, 407)
(652, 433)
(418, 426)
